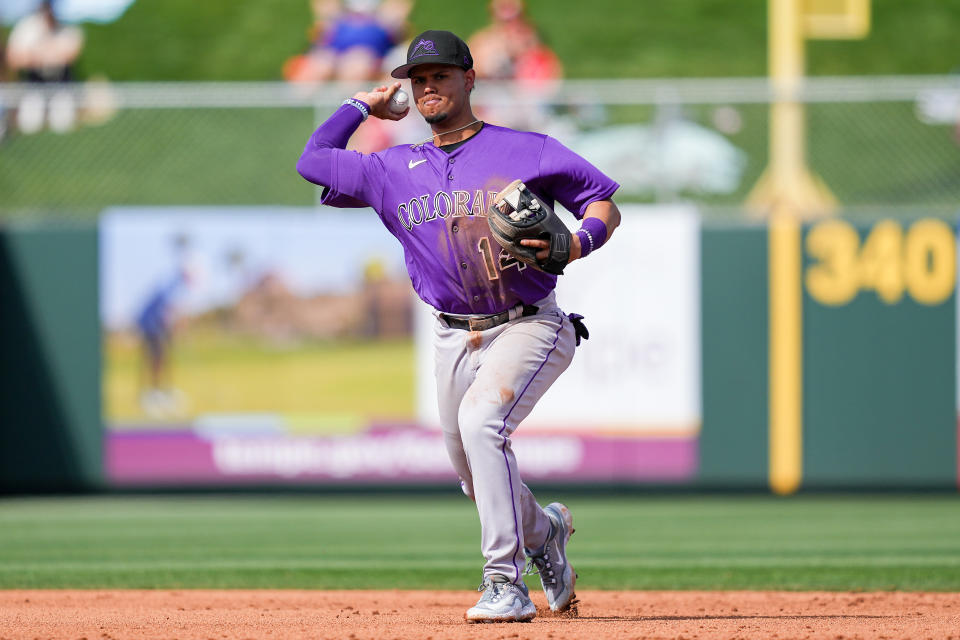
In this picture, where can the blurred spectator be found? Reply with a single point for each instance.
(41, 50)
(510, 48)
(350, 40)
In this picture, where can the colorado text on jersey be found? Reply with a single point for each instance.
(442, 204)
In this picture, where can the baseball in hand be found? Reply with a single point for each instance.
(399, 102)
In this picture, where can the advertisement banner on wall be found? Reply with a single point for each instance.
(243, 346)
(633, 389)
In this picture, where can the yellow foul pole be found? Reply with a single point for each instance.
(786, 193)
(783, 195)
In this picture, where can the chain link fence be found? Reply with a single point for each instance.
(883, 145)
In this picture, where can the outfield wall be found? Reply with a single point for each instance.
(51, 433)
(679, 356)
(879, 336)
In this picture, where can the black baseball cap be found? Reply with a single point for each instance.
(435, 47)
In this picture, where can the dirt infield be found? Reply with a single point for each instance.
(438, 615)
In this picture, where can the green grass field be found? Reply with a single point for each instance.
(908, 542)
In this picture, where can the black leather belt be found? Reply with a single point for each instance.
(482, 323)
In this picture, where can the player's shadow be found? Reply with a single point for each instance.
(730, 617)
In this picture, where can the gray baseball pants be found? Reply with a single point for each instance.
(487, 383)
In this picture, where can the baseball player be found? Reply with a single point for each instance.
(500, 338)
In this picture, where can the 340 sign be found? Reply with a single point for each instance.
(919, 261)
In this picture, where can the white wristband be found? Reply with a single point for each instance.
(359, 105)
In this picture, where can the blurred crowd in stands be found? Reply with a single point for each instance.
(363, 40)
(350, 41)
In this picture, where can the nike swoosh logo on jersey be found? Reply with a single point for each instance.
(412, 164)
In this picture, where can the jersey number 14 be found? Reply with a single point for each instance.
(505, 259)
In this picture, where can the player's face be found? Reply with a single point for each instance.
(441, 91)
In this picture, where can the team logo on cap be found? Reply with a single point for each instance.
(424, 48)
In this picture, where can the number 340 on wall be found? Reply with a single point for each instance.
(920, 261)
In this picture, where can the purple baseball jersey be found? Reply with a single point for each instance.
(435, 203)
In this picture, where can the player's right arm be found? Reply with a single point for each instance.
(350, 178)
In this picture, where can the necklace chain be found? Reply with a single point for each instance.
(437, 135)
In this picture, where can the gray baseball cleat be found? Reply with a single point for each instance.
(502, 601)
(550, 561)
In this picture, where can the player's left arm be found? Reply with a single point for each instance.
(583, 190)
(592, 235)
